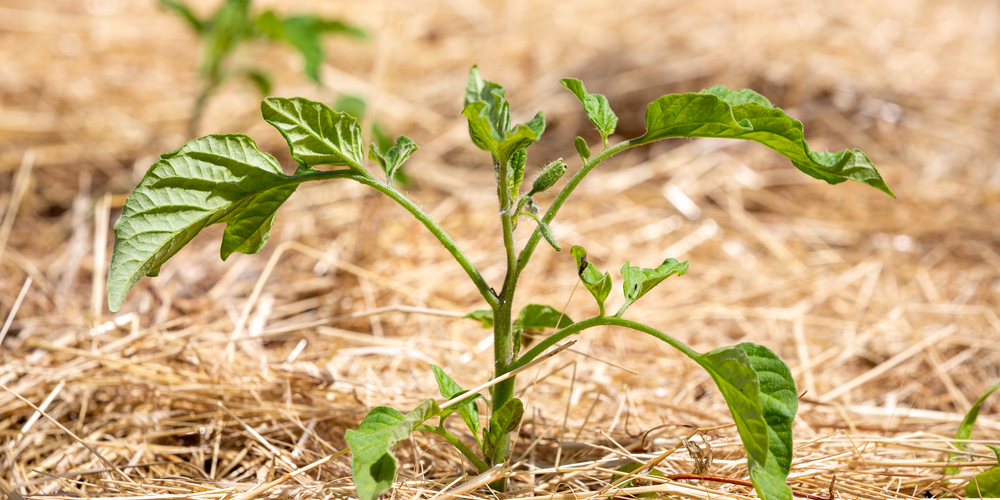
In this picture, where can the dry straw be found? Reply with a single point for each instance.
(885, 310)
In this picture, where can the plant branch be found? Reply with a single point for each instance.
(436, 230)
(550, 214)
(601, 321)
(458, 444)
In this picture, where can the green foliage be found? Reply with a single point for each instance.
(779, 402)
(599, 285)
(316, 134)
(596, 106)
(374, 441)
(744, 114)
(225, 179)
(639, 280)
(233, 26)
(985, 484)
(503, 422)
(466, 408)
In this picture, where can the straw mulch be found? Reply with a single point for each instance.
(207, 385)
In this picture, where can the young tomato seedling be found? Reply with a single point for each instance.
(225, 179)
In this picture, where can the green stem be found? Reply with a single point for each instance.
(503, 340)
(437, 231)
(564, 194)
(553, 339)
(457, 443)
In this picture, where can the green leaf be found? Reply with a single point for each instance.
(184, 12)
(391, 160)
(636, 481)
(466, 408)
(598, 284)
(538, 316)
(484, 316)
(581, 147)
(305, 34)
(779, 402)
(517, 172)
(489, 119)
(504, 421)
(984, 485)
(214, 179)
(968, 423)
(373, 443)
(639, 280)
(996, 449)
(744, 114)
(733, 373)
(316, 134)
(596, 106)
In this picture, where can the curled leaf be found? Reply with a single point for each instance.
(598, 284)
(392, 159)
(595, 105)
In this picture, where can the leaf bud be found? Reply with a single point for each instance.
(550, 174)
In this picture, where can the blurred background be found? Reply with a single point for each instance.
(886, 310)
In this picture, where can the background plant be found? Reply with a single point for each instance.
(233, 26)
(985, 484)
(225, 179)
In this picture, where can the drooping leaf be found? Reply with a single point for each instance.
(489, 119)
(374, 442)
(968, 423)
(731, 369)
(316, 134)
(540, 316)
(598, 284)
(305, 33)
(581, 147)
(503, 421)
(779, 402)
(391, 160)
(184, 12)
(214, 179)
(744, 114)
(595, 105)
(484, 316)
(636, 481)
(466, 408)
(639, 280)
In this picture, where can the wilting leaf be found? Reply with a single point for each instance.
(639, 280)
(598, 284)
(466, 408)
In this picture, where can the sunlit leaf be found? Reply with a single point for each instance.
(598, 284)
(744, 114)
(595, 105)
(373, 445)
(466, 408)
(540, 316)
(639, 280)
(489, 119)
(391, 160)
(779, 403)
(581, 147)
(968, 424)
(484, 316)
(316, 134)
(984, 485)
(504, 421)
(214, 179)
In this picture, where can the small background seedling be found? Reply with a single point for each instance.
(879, 276)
